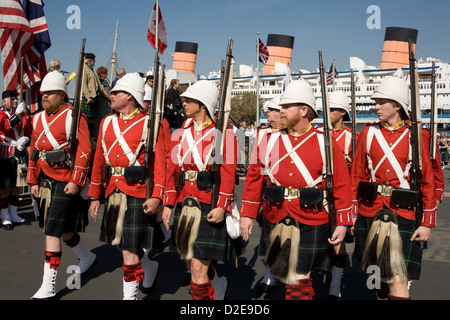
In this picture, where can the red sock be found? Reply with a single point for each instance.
(54, 258)
(303, 290)
(204, 291)
(132, 272)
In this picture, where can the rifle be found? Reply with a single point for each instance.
(153, 123)
(327, 127)
(226, 83)
(352, 88)
(433, 116)
(72, 141)
(416, 135)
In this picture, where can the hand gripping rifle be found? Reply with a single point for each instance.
(153, 123)
(327, 127)
(416, 134)
(76, 112)
(226, 84)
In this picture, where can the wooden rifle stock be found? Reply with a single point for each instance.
(327, 127)
(153, 124)
(226, 83)
(76, 112)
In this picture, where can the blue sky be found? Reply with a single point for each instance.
(338, 28)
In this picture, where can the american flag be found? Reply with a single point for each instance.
(332, 74)
(23, 34)
(151, 32)
(263, 53)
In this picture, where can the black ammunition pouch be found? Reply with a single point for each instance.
(404, 197)
(367, 190)
(135, 173)
(55, 156)
(311, 196)
(105, 172)
(204, 179)
(179, 179)
(34, 155)
(274, 193)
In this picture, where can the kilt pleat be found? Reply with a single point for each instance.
(138, 228)
(65, 213)
(411, 249)
(212, 242)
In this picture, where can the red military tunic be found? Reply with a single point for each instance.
(386, 173)
(343, 138)
(118, 141)
(194, 159)
(288, 174)
(437, 168)
(57, 134)
(10, 131)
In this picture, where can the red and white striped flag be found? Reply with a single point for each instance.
(16, 38)
(332, 74)
(151, 32)
(24, 34)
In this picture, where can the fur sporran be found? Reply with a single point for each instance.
(188, 225)
(383, 247)
(116, 209)
(282, 254)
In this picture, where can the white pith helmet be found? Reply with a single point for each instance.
(299, 91)
(273, 104)
(393, 88)
(206, 92)
(54, 81)
(339, 100)
(133, 84)
(148, 93)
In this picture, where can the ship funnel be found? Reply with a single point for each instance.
(280, 49)
(396, 47)
(185, 56)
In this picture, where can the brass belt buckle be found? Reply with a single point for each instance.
(191, 175)
(386, 191)
(293, 193)
(117, 171)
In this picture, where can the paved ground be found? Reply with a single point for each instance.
(22, 253)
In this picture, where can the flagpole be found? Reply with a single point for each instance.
(257, 79)
(156, 33)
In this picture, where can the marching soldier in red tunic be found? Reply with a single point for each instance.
(342, 135)
(199, 225)
(56, 180)
(14, 138)
(273, 117)
(119, 170)
(294, 196)
(383, 197)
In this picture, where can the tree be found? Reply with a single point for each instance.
(243, 108)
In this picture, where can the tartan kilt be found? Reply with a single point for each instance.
(138, 227)
(8, 172)
(314, 249)
(411, 249)
(65, 213)
(88, 109)
(213, 241)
